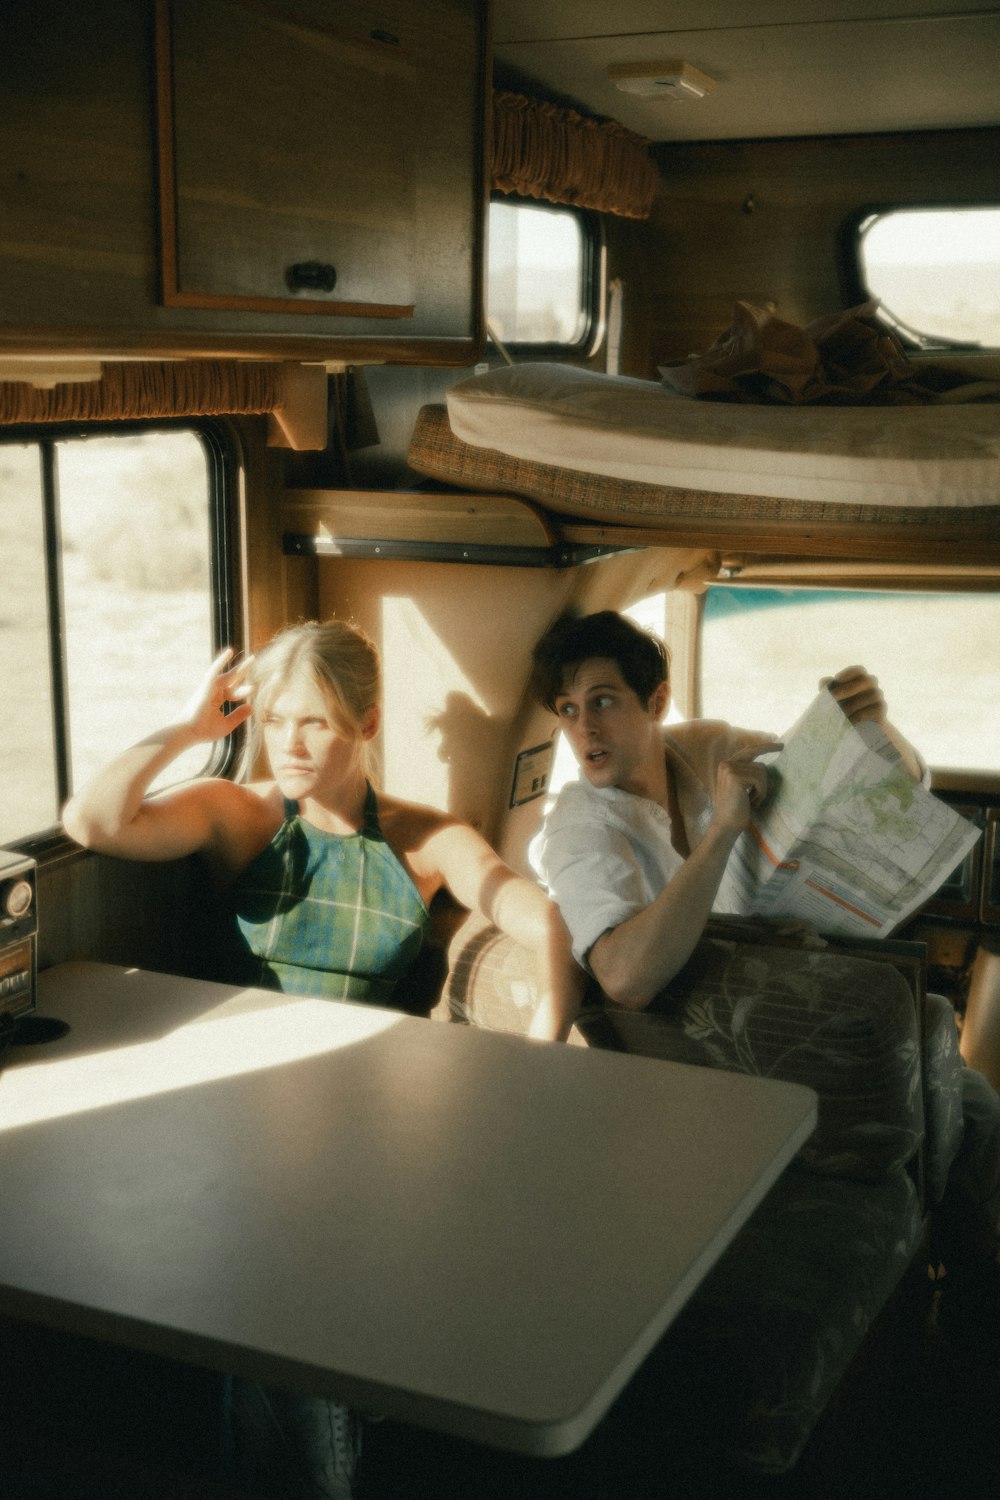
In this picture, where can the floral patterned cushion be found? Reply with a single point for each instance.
(942, 1094)
(847, 1027)
(773, 1328)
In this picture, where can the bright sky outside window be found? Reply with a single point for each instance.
(133, 571)
(935, 656)
(137, 589)
(535, 287)
(936, 272)
(28, 795)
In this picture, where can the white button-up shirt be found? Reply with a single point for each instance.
(605, 854)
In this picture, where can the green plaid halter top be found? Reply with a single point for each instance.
(330, 915)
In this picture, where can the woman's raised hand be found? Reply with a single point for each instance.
(205, 711)
(113, 813)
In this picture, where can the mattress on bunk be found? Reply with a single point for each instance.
(617, 449)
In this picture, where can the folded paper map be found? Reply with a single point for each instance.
(845, 839)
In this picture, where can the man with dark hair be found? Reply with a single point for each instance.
(642, 659)
(634, 850)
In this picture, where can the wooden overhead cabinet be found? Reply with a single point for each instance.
(296, 178)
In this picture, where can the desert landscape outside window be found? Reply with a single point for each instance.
(936, 273)
(765, 649)
(109, 605)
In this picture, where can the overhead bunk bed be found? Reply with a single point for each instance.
(909, 474)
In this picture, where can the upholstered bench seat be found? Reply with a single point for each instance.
(771, 1332)
(767, 1339)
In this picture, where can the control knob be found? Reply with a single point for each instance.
(16, 897)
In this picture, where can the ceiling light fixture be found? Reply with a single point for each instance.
(674, 80)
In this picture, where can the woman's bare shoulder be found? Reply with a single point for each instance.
(226, 798)
(244, 819)
(411, 822)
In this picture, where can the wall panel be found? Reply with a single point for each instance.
(759, 221)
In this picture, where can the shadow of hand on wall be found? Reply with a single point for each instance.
(471, 746)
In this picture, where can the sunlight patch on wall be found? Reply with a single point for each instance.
(430, 706)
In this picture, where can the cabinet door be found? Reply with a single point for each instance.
(288, 135)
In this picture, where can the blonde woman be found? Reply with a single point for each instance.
(330, 886)
(330, 882)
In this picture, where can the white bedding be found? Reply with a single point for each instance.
(936, 455)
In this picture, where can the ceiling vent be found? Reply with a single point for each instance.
(673, 80)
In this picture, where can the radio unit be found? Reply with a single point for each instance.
(18, 933)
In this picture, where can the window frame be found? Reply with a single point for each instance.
(856, 289)
(223, 464)
(593, 274)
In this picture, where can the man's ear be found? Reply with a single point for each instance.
(659, 700)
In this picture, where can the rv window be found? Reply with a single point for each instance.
(936, 273)
(110, 573)
(765, 649)
(541, 274)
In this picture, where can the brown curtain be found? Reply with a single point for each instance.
(542, 151)
(145, 389)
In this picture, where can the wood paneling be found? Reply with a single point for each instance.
(80, 244)
(157, 916)
(329, 182)
(411, 516)
(760, 221)
(844, 542)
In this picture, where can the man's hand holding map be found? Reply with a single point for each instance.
(845, 839)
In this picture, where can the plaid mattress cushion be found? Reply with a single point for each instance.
(435, 452)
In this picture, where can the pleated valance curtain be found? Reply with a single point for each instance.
(543, 151)
(150, 389)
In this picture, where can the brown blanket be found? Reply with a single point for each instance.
(846, 359)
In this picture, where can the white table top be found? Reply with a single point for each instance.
(469, 1231)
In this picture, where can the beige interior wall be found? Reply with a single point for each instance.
(456, 643)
